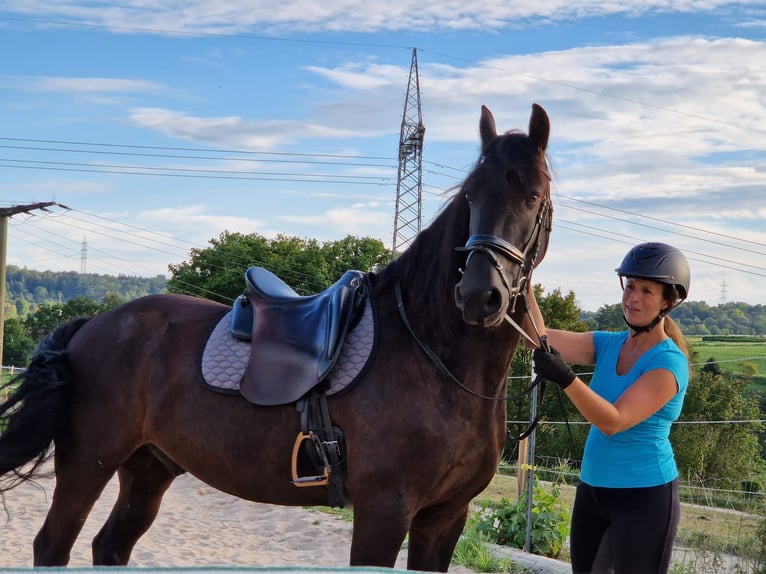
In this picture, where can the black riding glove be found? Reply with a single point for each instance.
(553, 367)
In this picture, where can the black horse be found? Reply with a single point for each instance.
(424, 423)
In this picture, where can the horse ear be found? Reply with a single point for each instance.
(539, 127)
(487, 128)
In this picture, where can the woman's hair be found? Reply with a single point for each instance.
(672, 329)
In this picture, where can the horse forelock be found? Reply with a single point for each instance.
(519, 151)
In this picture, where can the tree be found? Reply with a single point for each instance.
(17, 344)
(50, 315)
(350, 252)
(217, 272)
(22, 335)
(723, 451)
(610, 318)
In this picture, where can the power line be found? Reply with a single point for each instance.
(198, 172)
(155, 244)
(673, 223)
(194, 149)
(132, 235)
(281, 158)
(702, 257)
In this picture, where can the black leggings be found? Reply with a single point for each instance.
(636, 525)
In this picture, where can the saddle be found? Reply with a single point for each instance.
(296, 340)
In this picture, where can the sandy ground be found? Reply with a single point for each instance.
(197, 526)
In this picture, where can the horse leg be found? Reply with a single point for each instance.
(73, 498)
(433, 536)
(379, 530)
(144, 478)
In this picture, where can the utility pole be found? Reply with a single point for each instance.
(409, 183)
(5, 214)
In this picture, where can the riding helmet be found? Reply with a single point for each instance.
(659, 262)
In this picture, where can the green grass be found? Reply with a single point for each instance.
(472, 552)
(730, 355)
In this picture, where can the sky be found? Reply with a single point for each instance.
(157, 125)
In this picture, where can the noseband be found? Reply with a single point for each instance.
(493, 246)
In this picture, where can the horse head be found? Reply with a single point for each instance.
(508, 194)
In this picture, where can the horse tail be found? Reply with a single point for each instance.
(35, 410)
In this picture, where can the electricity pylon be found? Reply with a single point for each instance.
(409, 183)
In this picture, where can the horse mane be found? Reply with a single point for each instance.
(429, 269)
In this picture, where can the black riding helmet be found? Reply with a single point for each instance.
(658, 262)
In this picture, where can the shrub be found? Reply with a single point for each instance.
(505, 522)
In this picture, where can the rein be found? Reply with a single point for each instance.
(432, 355)
(444, 370)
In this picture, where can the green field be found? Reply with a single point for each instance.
(730, 355)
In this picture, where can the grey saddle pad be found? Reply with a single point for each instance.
(225, 358)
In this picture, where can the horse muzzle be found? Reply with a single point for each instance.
(488, 288)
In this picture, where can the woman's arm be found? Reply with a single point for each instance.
(574, 347)
(648, 394)
(639, 401)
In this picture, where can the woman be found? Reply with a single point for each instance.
(629, 478)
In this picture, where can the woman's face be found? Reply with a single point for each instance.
(642, 300)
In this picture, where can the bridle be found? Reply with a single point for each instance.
(496, 248)
(493, 246)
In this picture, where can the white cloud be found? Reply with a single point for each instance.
(367, 220)
(231, 131)
(91, 85)
(359, 16)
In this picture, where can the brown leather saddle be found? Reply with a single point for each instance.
(296, 340)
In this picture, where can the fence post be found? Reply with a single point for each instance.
(530, 466)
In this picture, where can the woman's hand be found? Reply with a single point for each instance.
(551, 366)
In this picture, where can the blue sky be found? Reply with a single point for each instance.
(162, 124)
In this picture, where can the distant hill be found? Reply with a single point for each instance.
(26, 289)
(696, 318)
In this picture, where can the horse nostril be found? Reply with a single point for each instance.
(458, 295)
(493, 302)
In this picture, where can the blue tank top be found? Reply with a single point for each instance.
(640, 456)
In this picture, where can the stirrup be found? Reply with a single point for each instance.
(317, 480)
